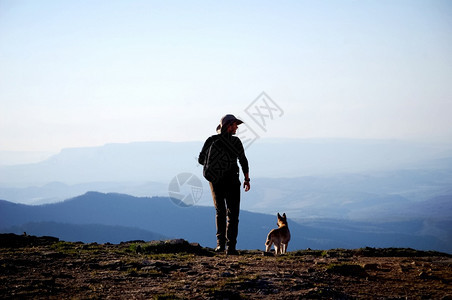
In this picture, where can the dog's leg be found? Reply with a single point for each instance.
(284, 247)
(268, 245)
(277, 249)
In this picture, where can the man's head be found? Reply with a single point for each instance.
(229, 124)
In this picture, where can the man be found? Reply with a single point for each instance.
(221, 152)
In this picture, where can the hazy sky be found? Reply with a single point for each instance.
(86, 73)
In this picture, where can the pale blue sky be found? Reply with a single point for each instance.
(87, 73)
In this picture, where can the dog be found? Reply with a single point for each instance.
(280, 236)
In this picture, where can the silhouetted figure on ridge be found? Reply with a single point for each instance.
(219, 156)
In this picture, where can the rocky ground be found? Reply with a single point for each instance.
(46, 268)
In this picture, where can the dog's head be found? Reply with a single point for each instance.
(282, 220)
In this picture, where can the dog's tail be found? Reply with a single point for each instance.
(268, 241)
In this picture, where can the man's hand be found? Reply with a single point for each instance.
(246, 186)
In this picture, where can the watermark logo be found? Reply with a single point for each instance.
(263, 109)
(246, 134)
(185, 189)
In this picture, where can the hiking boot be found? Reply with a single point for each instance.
(232, 252)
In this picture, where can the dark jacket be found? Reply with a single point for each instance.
(230, 149)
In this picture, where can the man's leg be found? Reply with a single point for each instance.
(220, 214)
(233, 210)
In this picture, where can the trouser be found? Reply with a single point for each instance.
(226, 198)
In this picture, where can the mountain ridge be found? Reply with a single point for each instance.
(197, 223)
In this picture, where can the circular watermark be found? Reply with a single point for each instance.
(185, 189)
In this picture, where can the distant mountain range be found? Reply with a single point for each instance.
(377, 196)
(273, 158)
(113, 217)
(336, 193)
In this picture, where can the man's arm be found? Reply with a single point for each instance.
(246, 183)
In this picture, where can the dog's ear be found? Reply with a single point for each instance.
(279, 216)
(284, 215)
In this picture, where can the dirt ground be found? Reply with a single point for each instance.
(46, 268)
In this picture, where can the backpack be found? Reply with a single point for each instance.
(217, 161)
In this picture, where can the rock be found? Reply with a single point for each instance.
(348, 270)
(227, 274)
(371, 266)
